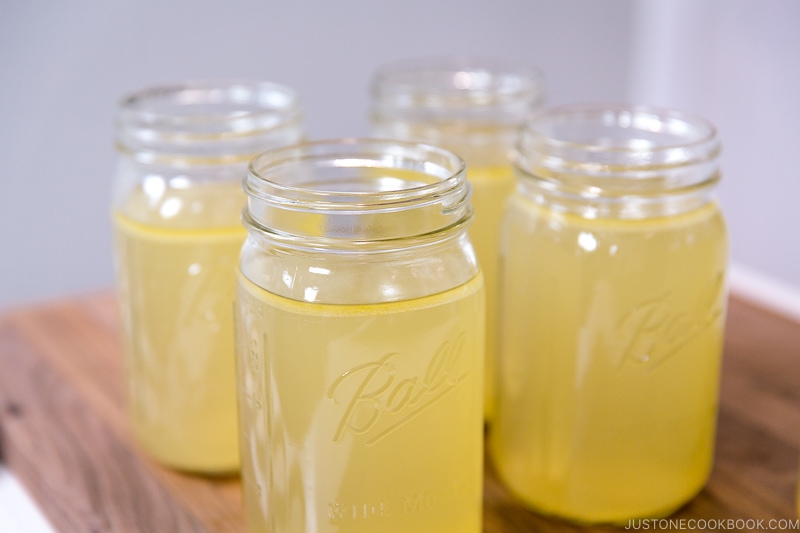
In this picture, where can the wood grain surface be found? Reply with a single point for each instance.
(64, 433)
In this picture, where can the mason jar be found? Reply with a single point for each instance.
(474, 107)
(183, 151)
(360, 334)
(613, 257)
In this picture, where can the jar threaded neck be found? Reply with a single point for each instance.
(469, 105)
(356, 192)
(623, 161)
(207, 122)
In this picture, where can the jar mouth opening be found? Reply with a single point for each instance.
(210, 107)
(480, 89)
(355, 174)
(357, 190)
(618, 128)
(622, 160)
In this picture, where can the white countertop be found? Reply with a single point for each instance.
(18, 512)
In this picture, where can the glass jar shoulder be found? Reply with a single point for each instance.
(178, 198)
(523, 212)
(358, 278)
(563, 244)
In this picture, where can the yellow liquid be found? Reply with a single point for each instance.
(491, 187)
(611, 343)
(176, 262)
(362, 418)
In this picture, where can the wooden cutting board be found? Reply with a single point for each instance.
(64, 433)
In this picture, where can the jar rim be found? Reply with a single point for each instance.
(196, 104)
(354, 152)
(619, 160)
(456, 88)
(207, 122)
(338, 192)
(623, 116)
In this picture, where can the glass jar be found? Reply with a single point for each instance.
(473, 107)
(360, 339)
(183, 151)
(613, 257)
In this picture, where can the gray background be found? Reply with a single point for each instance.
(64, 65)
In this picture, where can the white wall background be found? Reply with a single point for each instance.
(64, 65)
(737, 62)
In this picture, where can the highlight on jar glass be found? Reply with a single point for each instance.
(360, 341)
(183, 151)
(474, 107)
(614, 255)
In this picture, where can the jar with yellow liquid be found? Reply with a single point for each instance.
(176, 211)
(360, 341)
(613, 265)
(474, 107)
